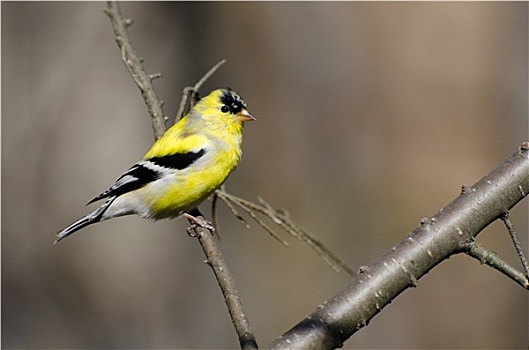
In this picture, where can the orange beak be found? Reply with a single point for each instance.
(244, 116)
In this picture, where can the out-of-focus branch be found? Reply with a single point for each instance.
(448, 232)
(133, 62)
(192, 91)
(281, 219)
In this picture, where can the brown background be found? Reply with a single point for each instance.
(370, 116)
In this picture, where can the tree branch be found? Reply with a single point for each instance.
(516, 242)
(492, 259)
(281, 219)
(227, 285)
(448, 232)
(193, 90)
(133, 63)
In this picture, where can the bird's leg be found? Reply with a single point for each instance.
(197, 219)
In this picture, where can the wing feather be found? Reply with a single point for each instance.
(140, 174)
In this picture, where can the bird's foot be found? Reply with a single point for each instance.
(197, 222)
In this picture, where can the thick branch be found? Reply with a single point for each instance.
(448, 232)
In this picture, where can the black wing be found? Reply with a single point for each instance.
(177, 161)
(136, 177)
(149, 170)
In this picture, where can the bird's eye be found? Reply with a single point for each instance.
(224, 109)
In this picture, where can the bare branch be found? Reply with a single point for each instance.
(133, 63)
(208, 74)
(227, 285)
(493, 260)
(214, 216)
(448, 232)
(281, 219)
(193, 90)
(517, 246)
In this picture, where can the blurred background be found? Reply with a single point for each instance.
(370, 116)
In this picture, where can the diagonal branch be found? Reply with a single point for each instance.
(517, 246)
(493, 260)
(281, 219)
(133, 63)
(192, 91)
(227, 286)
(447, 233)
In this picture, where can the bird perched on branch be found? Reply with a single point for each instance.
(186, 165)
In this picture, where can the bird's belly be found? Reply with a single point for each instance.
(181, 192)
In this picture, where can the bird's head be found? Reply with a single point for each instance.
(224, 104)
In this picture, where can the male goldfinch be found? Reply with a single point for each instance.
(186, 165)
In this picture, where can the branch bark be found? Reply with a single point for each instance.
(227, 285)
(517, 246)
(446, 233)
(133, 63)
(492, 259)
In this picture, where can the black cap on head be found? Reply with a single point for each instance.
(232, 100)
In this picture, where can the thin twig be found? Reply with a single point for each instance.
(282, 220)
(208, 74)
(133, 63)
(224, 196)
(214, 216)
(517, 246)
(193, 90)
(229, 205)
(490, 258)
(183, 103)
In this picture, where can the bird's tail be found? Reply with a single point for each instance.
(89, 219)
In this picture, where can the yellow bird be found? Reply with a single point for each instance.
(183, 168)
